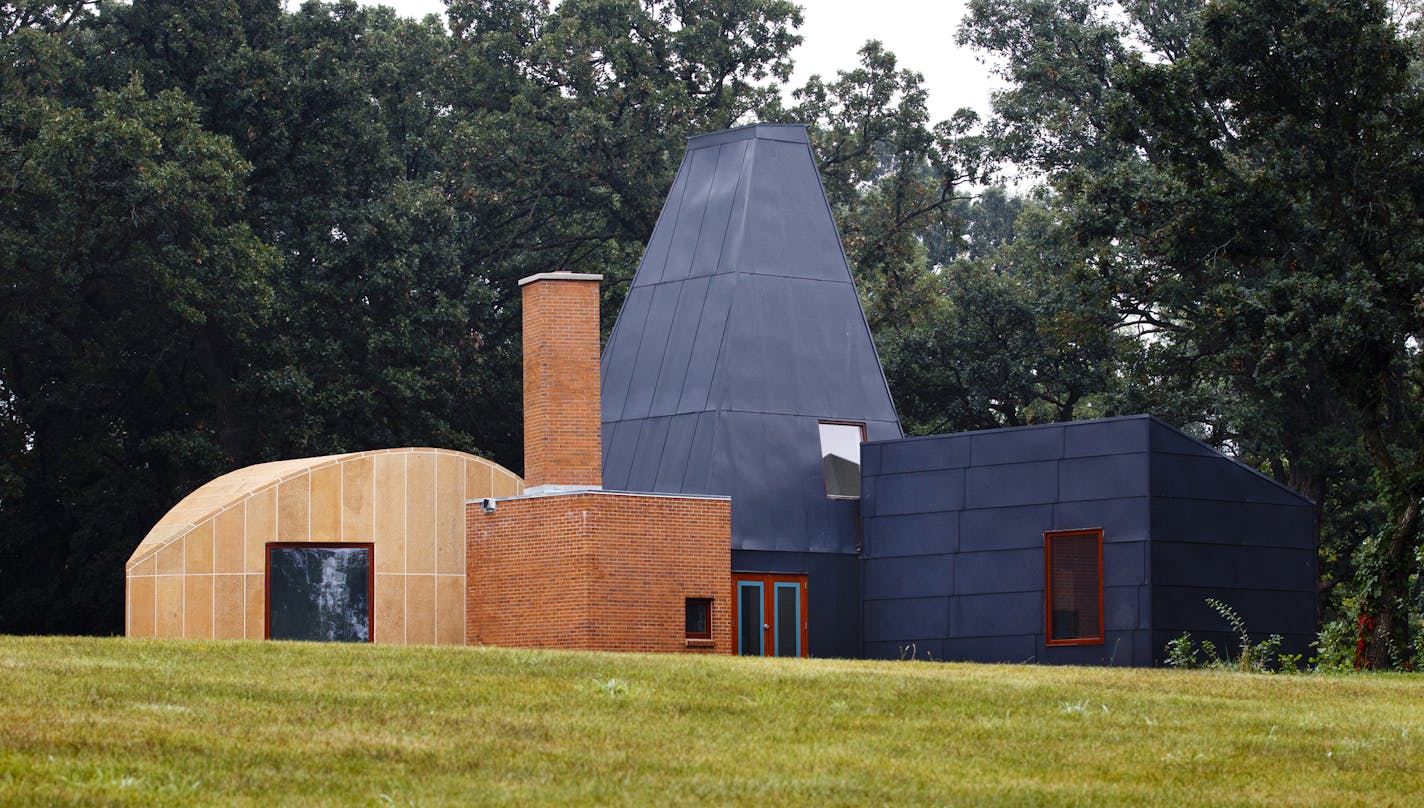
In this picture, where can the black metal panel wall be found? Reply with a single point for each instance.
(742, 329)
(954, 525)
(953, 532)
(1221, 530)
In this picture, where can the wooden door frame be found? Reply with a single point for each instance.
(768, 581)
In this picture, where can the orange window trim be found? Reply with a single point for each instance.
(1048, 538)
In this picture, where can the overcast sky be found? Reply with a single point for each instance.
(919, 32)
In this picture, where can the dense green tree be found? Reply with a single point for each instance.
(1020, 331)
(1249, 174)
(338, 108)
(572, 120)
(131, 282)
(892, 177)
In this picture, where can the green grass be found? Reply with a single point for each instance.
(89, 721)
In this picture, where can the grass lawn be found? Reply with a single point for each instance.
(112, 721)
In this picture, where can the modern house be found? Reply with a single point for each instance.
(731, 477)
(741, 364)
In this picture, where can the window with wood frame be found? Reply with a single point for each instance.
(699, 618)
(1073, 586)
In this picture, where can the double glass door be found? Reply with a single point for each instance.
(771, 614)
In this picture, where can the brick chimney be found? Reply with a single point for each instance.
(563, 442)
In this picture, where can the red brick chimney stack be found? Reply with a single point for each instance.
(563, 441)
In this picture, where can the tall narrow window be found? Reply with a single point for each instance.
(1073, 591)
(840, 458)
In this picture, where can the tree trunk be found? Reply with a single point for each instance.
(1386, 635)
(1384, 622)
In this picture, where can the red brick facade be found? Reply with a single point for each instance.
(562, 421)
(598, 570)
(587, 569)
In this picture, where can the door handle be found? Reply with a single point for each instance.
(766, 627)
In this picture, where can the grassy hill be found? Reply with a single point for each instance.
(112, 721)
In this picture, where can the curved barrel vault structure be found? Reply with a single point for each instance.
(200, 572)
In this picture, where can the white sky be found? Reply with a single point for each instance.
(919, 32)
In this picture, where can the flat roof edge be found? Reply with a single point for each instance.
(1114, 419)
(559, 276)
(598, 492)
(1026, 427)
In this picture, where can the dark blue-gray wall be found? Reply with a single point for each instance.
(953, 533)
(1220, 530)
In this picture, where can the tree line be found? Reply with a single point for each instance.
(233, 233)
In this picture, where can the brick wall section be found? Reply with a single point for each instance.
(598, 570)
(562, 422)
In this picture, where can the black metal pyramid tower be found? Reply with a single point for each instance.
(741, 332)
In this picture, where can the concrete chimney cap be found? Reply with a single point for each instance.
(560, 276)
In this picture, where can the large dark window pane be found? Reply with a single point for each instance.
(319, 593)
(788, 623)
(749, 620)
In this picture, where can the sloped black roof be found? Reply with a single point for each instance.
(742, 329)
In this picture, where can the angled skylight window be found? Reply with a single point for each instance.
(840, 458)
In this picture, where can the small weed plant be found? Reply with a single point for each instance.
(1288, 663)
(1182, 652)
(910, 653)
(613, 688)
(1335, 647)
(1254, 657)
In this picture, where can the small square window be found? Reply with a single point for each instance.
(699, 618)
(840, 458)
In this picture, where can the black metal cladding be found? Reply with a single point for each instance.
(741, 331)
(953, 531)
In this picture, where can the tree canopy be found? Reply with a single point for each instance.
(1245, 179)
